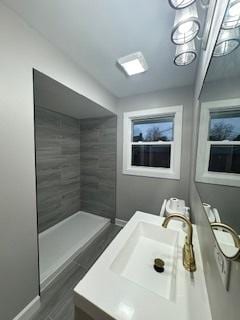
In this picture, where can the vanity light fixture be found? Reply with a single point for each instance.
(228, 41)
(180, 4)
(186, 25)
(185, 54)
(133, 63)
(232, 17)
(205, 2)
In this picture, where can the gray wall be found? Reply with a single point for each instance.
(98, 166)
(57, 166)
(23, 49)
(225, 199)
(145, 193)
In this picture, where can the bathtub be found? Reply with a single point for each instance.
(60, 244)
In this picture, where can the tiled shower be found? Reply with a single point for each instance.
(57, 166)
(76, 184)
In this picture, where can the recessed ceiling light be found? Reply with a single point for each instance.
(133, 63)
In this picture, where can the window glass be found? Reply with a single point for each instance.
(149, 130)
(224, 158)
(224, 126)
(151, 155)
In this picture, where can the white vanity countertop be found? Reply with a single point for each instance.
(105, 295)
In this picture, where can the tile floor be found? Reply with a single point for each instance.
(57, 298)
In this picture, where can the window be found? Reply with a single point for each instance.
(152, 142)
(218, 158)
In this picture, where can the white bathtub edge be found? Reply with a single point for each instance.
(60, 267)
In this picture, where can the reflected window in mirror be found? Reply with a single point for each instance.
(224, 131)
(218, 158)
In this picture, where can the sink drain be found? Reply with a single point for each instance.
(159, 265)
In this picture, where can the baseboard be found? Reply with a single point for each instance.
(120, 223)
(29, 310)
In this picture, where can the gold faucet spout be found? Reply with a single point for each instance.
(188, 252)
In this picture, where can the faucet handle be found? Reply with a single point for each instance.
(189, 261)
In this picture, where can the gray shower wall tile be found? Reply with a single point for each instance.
(109, 122)
(49, 211)
(48, 178)
(107, 135)
(98, 208)
(47, 152)
(89, 181)
(70, 173)
(57, 166)
(107, 179)
(76, 166)
(98, 166)
(69, 124)
(90, 135)
(47, 164)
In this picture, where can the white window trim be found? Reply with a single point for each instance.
(168, 173)
(203, 153)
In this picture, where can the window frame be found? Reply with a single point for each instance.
(175, 161)
(204, 145)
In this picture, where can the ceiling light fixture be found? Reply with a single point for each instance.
(180, 4)
(133, 63)
(186, 25)
(185, 54)
(232, 17)
(228, 41)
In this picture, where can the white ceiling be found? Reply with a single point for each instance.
(95, 33)
(50, 94)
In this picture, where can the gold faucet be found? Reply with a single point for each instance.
(235, 236)
(188, 253)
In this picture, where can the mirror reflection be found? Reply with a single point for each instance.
(218, 152)
(228, 240)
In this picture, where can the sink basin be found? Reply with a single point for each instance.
(135, 260)
(123, 284)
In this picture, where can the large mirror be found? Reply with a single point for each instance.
(218, 153)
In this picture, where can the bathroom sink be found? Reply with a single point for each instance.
(124, 285)
(135, 260)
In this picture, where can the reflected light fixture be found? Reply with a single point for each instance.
(232, 17)
(205, 2)
(133, 63)
(228, 41)
(180, 4)
(185, 54)
(186, 25)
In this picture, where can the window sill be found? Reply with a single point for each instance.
(152, 173)
(226, 179)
